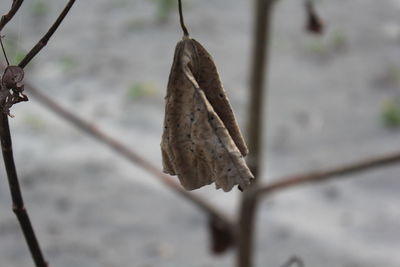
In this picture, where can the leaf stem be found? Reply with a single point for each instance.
(184, 29)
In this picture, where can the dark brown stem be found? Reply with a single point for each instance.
(18, 203)
(184, 29)
(246, 227)
(337, 172)
(263, 12)
(6, 146)
(251, 197)
(129, 154)
(42, 43)
(7, 17)
(4, 51)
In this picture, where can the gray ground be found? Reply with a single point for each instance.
(109, 62)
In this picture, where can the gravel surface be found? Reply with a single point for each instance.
(109, 62)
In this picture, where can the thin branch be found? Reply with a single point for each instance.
(42, 43)
(7, 17)
(129, 154)
(253, 194)
(6, 146)
(294, 260)
(262, 25)
(184, 29)
(18, 203)
(245, 226)
(4, 51)
(343, 171)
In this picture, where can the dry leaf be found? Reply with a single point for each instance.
(201, 142)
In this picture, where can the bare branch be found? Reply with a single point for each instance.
(42, 43)
(4, 50)
(338, 172)
(7, 17)
(246, 227)
(129, 154)
(8, 157)
(262, 21)
(253, 194)
(18, 203)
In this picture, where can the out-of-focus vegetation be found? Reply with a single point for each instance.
(391, 113)
(164, 8)
(140, 90)
(14, 53)
(68, 63)
(39, 8)
(334, 42)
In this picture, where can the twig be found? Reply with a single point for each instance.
(18, 203)
(263, 12)
(338, 172)
(6, 143)
(253, 194)
(262, 24)
(42, 43)
(294, 260)
(7, 17)
(184, 29)
(4, 51)
(129, 154)
(245, 226)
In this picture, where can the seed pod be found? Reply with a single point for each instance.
(201, 142)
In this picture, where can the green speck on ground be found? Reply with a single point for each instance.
(391, 113)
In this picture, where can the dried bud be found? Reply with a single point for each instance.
(314, 23)
(13, 77)
(221, 236)
(12, 88)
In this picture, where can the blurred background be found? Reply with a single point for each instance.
(332, 99)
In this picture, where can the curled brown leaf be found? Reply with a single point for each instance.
(201, 142)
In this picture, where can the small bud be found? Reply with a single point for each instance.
(13, 77)
(11, 89)
(314, 23)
